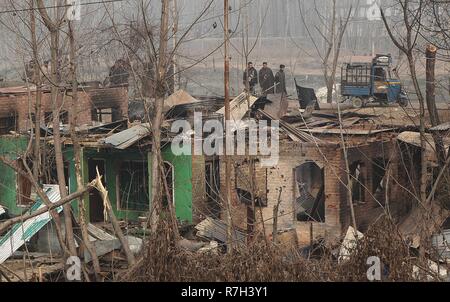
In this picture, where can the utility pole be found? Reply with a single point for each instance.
(227, 119)
(176, 77)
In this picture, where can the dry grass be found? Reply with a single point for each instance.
(164, 261)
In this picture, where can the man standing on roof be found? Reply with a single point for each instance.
(266, 80)
(280, 81)
(250, 78)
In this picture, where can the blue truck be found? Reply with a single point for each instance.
(364, 83)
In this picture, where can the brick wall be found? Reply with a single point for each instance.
(337, 209)
(87, 100)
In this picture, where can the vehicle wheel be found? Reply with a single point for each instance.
(357, 102)
(403, 102)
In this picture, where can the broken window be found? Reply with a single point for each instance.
(379, 172)
(105, 115)
(357, 181)
(64, 117)
(48, 117)
(310, 192)
(169, 178)
(212, 187)
(8, 124)
(133, 186)
(23, 186)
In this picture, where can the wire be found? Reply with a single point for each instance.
(59, 6)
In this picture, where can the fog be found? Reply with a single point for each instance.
(273, 29)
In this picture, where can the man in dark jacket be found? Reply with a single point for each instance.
(266, 80)
(250, 78)
(280, 81)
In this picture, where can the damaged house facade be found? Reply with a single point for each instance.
(309, 185)
(123, 155)
(97, 106)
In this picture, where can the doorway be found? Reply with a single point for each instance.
(96, 207)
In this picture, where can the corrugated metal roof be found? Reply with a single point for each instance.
(441, 127)
(413, 138)
(239, 106)
(346, 131)
(129, 137)
(180, 97)
(216, 229)
(22, 232)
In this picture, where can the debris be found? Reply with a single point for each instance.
(288, 239)
(347, 131)
(239, 106)
(349, 244)
(134, 243)
(99, 234)
(441, 242)
(432, 271)
(306, 96)
(274, 104)
(191, 245)
(127, 138)
(180, 97)
(441, 127)
(294, 134)
(2, 210)
(22, 232)
(213, 248)
(102, 247)
(217, 230)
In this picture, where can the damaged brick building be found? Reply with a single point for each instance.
(95, 105)
(309, 184)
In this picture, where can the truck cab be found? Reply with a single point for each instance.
(364, 83)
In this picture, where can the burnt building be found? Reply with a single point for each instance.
(17, 107)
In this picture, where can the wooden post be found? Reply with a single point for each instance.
(227, 118)
(275, 217)
(115, 223)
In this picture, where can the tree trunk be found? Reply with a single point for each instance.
(431, 102)
(53, 28)
(423, 182)
(161, 88)
(38, 82)
(77, 154)
(330, 84)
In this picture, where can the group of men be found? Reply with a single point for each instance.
(269, 83)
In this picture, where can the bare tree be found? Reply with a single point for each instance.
(331, 35)
(53, 27)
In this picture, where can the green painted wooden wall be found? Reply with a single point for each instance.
(112, 157)
(10, 147)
